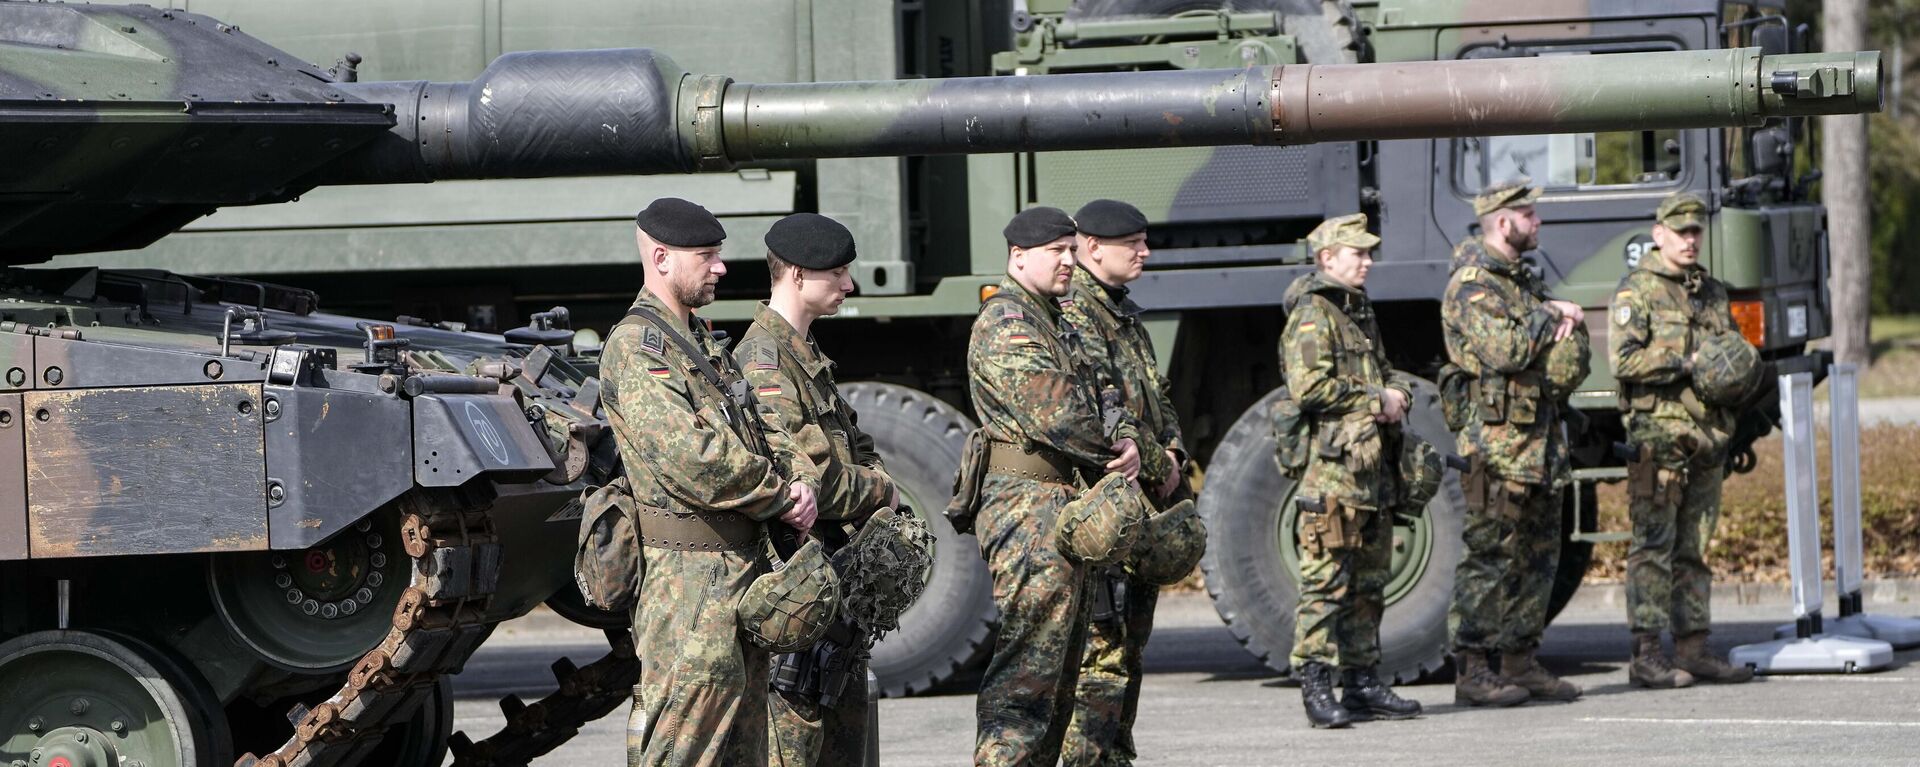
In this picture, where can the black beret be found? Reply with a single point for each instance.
(677, 223)
(1034, 227)
(811, 241)
(1110, 218)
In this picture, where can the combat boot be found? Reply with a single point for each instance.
(1523, 669)
(1365, 696)
(1651, 668)
(1476, 685)
(1316, 692)
(1690, 653)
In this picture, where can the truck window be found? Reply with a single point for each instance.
(1570, 161)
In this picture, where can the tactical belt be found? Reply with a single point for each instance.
(705, 531)
(1040, 464)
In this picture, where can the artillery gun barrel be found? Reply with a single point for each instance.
(634, 111)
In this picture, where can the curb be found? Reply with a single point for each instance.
(1892, 591)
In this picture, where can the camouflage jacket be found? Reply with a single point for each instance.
(1120, 354)
(794, 383)
(1498, 331)
(1026, 381)
(1656, 321)
(1336, 370)
(686, 447)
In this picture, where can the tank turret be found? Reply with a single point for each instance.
(140, 119)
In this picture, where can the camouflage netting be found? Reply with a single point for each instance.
(1101, 525)
(1170, 546)
(884, 569)
(1420, 471)
(1568, 362)
(1726, 370)
(789, 609)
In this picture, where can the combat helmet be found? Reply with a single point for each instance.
(1568, 362)
(1420, 470)
(1170, 545)
(789, 609)
(1101, 525)
(883, 569)
(1726, 370)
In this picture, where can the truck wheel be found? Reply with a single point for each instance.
(950, 630)
(1251, 564)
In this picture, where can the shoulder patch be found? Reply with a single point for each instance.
(1477, 297)
(770, 390)
(1623, 314)
(1012, 313)
(652, 340)
(765, 358)
(1469, 274)
(659, 371)
(1308, 325)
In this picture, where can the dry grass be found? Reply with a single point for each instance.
(1751, 541)
(1895, 371)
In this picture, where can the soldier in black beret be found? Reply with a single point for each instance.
(680, 249)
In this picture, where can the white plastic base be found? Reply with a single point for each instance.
(1824, 654)
(1902, 633)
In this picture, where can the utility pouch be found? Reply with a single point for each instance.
(1643, 476)
(966, 482)
(1292, 437)
(606, 564)
(1475, 486)
(1493, 399)
(1103, 609)
(1523, 399)
(1456, 396)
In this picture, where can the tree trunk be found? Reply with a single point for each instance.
(1843, 188)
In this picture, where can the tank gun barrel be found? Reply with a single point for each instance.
(635, 112)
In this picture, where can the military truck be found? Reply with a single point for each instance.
(1225, 234)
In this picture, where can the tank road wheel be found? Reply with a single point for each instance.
(1252, 564)
(950, 630)
(318, 610)
(88, 700)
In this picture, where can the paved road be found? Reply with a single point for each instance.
(1207, 702)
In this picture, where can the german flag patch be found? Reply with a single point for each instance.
(1020, 338)
(770, 390)
(1476, 297)
(1308, 325)
(661, 372)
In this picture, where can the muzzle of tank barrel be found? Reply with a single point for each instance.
(633, 111)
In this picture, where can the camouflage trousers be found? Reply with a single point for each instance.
(1108, 694)
(702, 697)
(1026, 696)
(1674, 506)
(802, 732)
(1342, 591)
(1504, 581)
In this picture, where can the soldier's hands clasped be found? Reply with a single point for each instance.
(804, 510)
(1393, 406)
(1129, 461)
(1569, 314)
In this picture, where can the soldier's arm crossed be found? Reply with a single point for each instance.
(1051, 406)
(1501, 342)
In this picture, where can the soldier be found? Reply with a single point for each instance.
(1113, 252)
(1338, 375)
(807, 257)
(1665, 310)
(705, 479)
(1499, 323)
(1042, 423)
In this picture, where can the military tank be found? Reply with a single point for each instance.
(231, 522)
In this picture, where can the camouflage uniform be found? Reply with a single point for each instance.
(793, 381)
(1336, 369)
(1656, 321)
(1498, 331)
(702, 692)
(1117, 347)
(1028, 393)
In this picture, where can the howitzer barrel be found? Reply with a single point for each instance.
(635, 111)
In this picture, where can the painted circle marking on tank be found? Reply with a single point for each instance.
(489, 436)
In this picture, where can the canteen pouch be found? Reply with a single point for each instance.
(1456, 396)
(606, 564)
(1292, 437)
(966, 482)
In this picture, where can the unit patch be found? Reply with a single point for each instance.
(1623, 314)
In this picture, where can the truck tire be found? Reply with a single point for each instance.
(1251, 570)
(950, 630)
(1322, 28)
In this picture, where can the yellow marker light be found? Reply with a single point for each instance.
(987, 291)
(1751, 316)
(380, 332)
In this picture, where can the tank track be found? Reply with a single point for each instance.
(439, 622)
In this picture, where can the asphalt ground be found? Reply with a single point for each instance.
(1207, 702)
